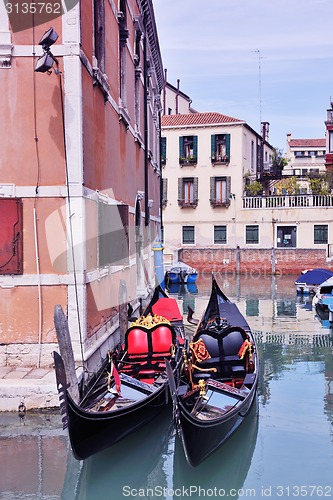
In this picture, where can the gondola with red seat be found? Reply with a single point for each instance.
(132, 388)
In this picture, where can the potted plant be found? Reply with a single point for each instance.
(255, 188)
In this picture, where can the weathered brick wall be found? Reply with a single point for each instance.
(251, 261)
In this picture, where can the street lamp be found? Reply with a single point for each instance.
(46, 61)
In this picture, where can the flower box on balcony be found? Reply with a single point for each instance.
(218, 203)
(187, 204)
(189, 160)
(220, 159)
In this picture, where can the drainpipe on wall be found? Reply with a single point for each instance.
(145, 80)
(161, 176)
(164, 91)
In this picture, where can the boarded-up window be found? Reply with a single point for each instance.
(11, 241)
(113, 237)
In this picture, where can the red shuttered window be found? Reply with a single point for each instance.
(11, 238)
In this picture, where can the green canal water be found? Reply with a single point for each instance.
(284, 449)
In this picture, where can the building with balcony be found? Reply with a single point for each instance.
(305, 156)
(206, 159)
(214, 222)
(79, 175)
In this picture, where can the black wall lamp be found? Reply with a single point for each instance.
(46, 61)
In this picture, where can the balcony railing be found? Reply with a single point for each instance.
(186, 203)
(288, 201)
(219, 203)
(188, 160)
(216, 159)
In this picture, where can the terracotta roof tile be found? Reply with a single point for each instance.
(307, 143)
(197, 119)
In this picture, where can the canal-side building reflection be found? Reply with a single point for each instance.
(33, 456)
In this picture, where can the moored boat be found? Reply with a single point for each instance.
(132, 387)
(309, 281)
(218, 385)
(323, 299)
(180, 272)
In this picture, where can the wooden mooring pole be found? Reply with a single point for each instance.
(66, 351)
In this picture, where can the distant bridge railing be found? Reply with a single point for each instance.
(288, 201)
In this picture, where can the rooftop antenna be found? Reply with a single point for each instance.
(259, 67)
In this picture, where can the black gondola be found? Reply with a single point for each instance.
(218, 385)
(132, 388)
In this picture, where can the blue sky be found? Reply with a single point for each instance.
(211, 46)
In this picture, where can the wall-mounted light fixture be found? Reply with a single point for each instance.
(46, 61)
(232, 196)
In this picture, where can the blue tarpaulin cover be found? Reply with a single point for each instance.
(314, 277)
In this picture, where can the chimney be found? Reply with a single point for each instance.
(178, 81)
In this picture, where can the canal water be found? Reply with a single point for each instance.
(283, 450)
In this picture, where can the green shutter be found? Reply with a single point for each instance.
(227, 145)
(164, 191)
(195, 190)
(195, 147)
(212, 145)
(163, 148)
(181, 147)
(228, 190)
(212, 195)
(180, 191)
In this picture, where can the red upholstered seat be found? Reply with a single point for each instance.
(162, 339)
(168, 308)
(137, 342)
(146, 349)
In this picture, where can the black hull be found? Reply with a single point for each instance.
(217, 391)
(93, 429)
(201, 439)
(130, 462)
(227, 467)
(92, 432)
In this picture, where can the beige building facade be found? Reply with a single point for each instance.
(305, 156)
(210, 220)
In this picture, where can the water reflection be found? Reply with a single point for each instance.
(132, 465)
(152, 464)
(269, 302)
(33, 454)
(291, 443)
(227, 468)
